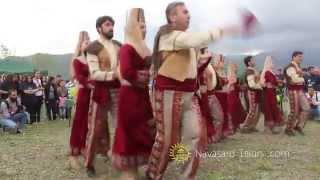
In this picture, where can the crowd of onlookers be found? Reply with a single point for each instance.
(22, 98)
(312, 88)
(23, 95)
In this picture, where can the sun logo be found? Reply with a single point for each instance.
(179, 153)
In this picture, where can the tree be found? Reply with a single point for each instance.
(4, 51)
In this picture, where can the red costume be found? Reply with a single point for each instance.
(134, 136)
(272, 113)
(222, 96)
(80, 121)
(235, 108)
(102, 59)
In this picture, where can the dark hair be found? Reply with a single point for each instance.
(296, 53)
(103, 19)
(12, 90)
(9, 78)
(247, 60)
(202, 50)
(310, 68)
(50, 79)
(172, 7)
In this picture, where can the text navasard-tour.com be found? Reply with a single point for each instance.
(241, 153)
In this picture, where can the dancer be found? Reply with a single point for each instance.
(299, 106)
(102, 58)
(272, 115)
(235, 108)
(208, 82)
(252, 79)
(80, 72)
(177, 110)
(221, 92)
(135, 133)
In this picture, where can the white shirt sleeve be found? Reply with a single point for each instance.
(186, 40)
(294, 76)
(213, 78)
(252, 83)
(95, 72)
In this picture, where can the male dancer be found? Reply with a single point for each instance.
(299, 106)
(254, 96)
(176, 108)
(102, 57)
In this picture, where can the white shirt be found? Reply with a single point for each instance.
(38, 83)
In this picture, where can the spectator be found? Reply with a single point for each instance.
(314, 78)
(28, 97)
(63, 94)
(51, 99)
(12, 110)
(279, 74)
(39, 95)
(16, 83)
(2, 78)
(314, 103)
(5, 122)
(44, 80)
(9, 83)
(58, 78)
(22, 78)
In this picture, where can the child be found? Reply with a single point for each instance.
(63, 93)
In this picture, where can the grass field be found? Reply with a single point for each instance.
(41, 153)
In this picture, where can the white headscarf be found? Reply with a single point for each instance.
(218, 64)
(232, 73)
(268, 65)
(133, 34)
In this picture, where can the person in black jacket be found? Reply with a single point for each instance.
(28, 97)
(51, 99)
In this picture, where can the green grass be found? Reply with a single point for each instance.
(41, 153)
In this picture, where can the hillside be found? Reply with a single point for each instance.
(55, 64)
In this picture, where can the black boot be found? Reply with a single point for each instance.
(289, 132)
(299, 130)
(91, 172)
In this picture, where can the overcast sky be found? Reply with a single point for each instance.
(52, 26)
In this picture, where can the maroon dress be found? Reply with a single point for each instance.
(237, 113)
(80, 121)
(134, 135)
(222, 97)
(205, 110)
(272, 113)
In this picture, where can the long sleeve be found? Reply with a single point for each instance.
(46, 92)
(196, 39)
(4, 110)
(95, 72)
(82, 79)
(294, 75)
(270, 78)
(211, 77)
(178, 40)
(127, 70)
(252, 83)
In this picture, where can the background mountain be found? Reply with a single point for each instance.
(59, 64)
(54, 64)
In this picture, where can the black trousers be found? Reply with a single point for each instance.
(31, 110)
(37, 108)
(52, 109)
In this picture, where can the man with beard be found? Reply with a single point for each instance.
(102, 58)
(12, 111)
